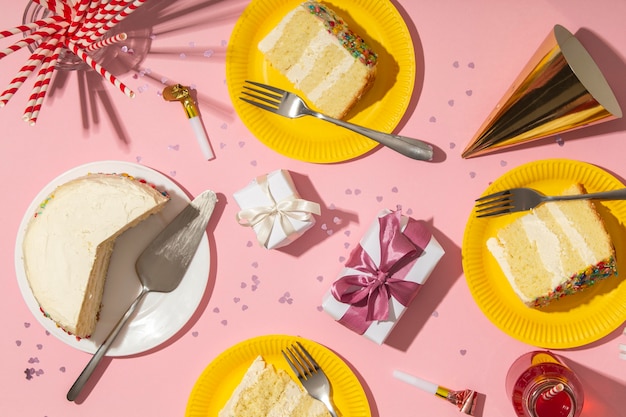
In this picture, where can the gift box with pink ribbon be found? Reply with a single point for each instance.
(272, 207)
(383, 275)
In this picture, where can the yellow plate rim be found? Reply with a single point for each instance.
(223, 374)
(309, 139)
(596, 312)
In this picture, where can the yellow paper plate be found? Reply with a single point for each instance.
(572, 321)
(307, 138)
(218, 381)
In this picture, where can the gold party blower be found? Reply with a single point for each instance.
(560, 89)
(182, 94)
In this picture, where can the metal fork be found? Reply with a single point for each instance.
(292, 106)
(522, 199)
(311, 376)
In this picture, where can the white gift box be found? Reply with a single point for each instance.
(418, 272)
(274, 202)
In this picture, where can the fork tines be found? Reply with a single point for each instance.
(261, 97)
(494, 204)
(300, 361)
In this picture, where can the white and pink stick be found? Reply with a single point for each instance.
(98, 68)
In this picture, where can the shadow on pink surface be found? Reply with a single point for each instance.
(154, 21)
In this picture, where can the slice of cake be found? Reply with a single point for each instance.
(68, 243)
(557, 249)
(316, 50)
(267, 392)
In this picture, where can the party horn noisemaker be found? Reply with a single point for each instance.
(181, 93)
(560, 89)
(465, 400)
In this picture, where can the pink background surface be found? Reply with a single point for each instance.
(469, 53)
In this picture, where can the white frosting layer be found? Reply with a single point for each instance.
(61, 243)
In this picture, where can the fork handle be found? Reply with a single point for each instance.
(413, 148)
(603, 195)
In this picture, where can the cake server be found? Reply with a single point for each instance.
(292, 106)
(523, 199)
(160, 267)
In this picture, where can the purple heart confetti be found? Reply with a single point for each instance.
(320, 278)
(255, 264)
(394, 190)
(455, 64)
(27, 325)
(224, 322)
(503, 163)
(432, 119)
(379, 198)
(62, 369)
(452, 145)
(236, 299)
(18, 343)
(194, 334)
(243, 285)
(244, 307)
(463, 352)
(469, 93)
(216, 310)
(173, 147)
(471, 65)
(451, 103)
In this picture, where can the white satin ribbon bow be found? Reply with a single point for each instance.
(266, 216)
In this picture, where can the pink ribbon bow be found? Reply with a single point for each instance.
(369, 291)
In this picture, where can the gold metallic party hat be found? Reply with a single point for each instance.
(560, 89)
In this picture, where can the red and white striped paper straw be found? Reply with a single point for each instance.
(553, 391)
(44, 85)
(35, 61)
(59, 7)
(111, 23)
(92, 24)
(87, 23)
(29, 26)
(98, 68)
(81, 9)
(35, 37)
(106, 42)
(54, 42)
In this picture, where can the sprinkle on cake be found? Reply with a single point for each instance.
(322, 57)
(69, 241)
(557, 249)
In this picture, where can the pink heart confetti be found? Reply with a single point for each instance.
(320, 278)
(243, 285)
(452, 145)
(249, 244)
(471, 65)
(27, 325)
(39, 346)
(255, 264)
(347, 233)
(208, 53)
(435, 314)
(472, 174)
(349, 192)
(236, 299)
(357, 192)
(255, 279)
(379, 198)
(336, 220)
(241, 144)
(432, 119)
(455, 64)
(394, 190)
(194, 334)
(216, 310)
(320, 308)
(346, 245)
(244, 307)
(503, 163)
(342, 259)
(463, 352)
(469, 93)
(253, 163)
(173, 147)
(324, 226)
(18, 343)
(62, 369)
(222, 145)
(224, 322)
(451, 103)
